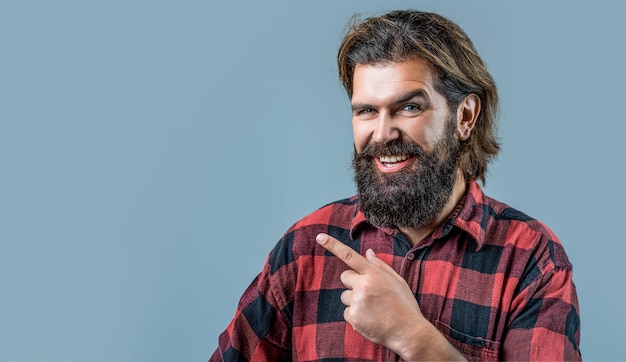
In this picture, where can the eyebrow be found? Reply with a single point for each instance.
(418, 93)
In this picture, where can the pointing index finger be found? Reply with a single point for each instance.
(350, 257)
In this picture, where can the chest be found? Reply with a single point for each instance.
(463, 293)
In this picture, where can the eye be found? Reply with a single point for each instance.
(411, 108)
(364, 113)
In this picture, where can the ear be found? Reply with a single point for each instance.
(466, 116)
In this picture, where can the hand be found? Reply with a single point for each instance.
(381, 307)
(379, 303)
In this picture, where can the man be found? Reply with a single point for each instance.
(420, 265)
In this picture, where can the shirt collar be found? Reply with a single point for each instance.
(467, 216)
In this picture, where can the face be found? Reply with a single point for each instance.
(406, 144)
(397, 101)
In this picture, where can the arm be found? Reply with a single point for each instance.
(259, 331)
(382, 308)
(545, 324)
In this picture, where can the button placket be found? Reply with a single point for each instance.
(411, 266)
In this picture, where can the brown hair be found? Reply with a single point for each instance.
(408, 34)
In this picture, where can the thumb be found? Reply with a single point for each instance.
(370, 255)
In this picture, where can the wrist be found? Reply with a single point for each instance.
(427, 343)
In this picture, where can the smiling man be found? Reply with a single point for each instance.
(420, 264)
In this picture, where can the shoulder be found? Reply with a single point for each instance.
(513, 229)
(334, 218)
(339, 213)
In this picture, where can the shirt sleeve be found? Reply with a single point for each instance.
(545, 324)
(259, 330)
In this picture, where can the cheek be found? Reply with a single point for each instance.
(430, 135)
(360, 134)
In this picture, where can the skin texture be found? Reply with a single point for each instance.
(398, 101)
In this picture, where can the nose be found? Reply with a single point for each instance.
(385, 130)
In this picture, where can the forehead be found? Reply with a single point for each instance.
(382, 81)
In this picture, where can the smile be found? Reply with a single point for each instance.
(393, 163)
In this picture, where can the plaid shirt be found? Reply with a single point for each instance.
(494, 281)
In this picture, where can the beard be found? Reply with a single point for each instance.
(412, 196)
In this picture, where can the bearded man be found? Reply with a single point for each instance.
(421, 264)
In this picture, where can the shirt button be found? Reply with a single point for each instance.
(411, 256)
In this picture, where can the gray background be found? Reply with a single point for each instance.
(152, 153)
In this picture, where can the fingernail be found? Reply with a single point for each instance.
(321, 238)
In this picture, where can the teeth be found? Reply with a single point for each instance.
(393, 158)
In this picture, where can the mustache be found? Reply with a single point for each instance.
(392, 148)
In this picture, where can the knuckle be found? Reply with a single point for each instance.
(343, 276)
(344, 298)
(348, 255)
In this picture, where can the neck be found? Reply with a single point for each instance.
(415, 235)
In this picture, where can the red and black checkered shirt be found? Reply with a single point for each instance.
(494, 281)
